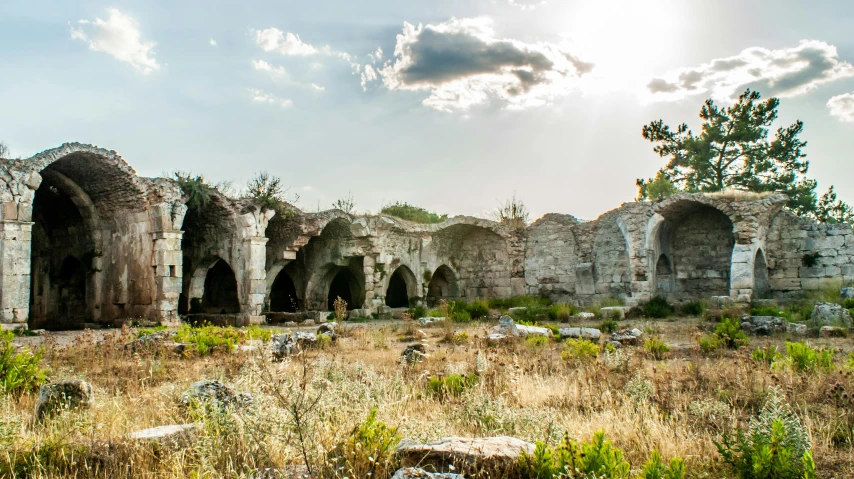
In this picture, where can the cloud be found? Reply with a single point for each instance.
(212, 42)
(317, 87)
(783, 72)
(118, 36)
(462, 64)
(274, 40)
(369, 74)
(525, 5)
(259, 96)
(273, 71)
(842, 107)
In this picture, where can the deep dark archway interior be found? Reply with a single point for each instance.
(71, 285)
(442, 286)
(344, 285)
(664, 275)
(220, 296)
(61, 241)
(396, 295)
(283, 294)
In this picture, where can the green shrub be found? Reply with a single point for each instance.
(18, 371)
(450, 385)
(561, 311)
(594, 459)
(416, 214)
(367, 452)
(693, 308)
(526, 301)
(776, 445)
(803, 358)
(655, 469)
(710, 343)
(461, 317)
(417, 312)
(730, 333)
(536, 340)
(608, 326)
(579, 350)
(478, 309)
(767, 355)
(658, 308)
(656, 348)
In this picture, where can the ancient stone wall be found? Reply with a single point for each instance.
(551, 257)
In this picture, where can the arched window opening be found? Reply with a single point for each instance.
(397, 294)
(220, 295)
(344, 285)
(443, 285)
(283, 295)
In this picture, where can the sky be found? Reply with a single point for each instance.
(450, 105)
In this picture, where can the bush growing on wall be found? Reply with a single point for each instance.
(416, 214)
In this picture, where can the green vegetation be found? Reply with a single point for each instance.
(656, 348)
(801, 357)
(561, 311)
(20, 371)
(579, 350)
(512, 212)
(767, 355)
(368, 452)
(526, 301)
(658, 308)
(416, 214)
(208, 339)
(194, 187)
(733, 151)
(451, 385)
(608, 326)
(656, 469)
(776, 445)
(693, 308)
(728, 334)
(536, 340)
(572, 460)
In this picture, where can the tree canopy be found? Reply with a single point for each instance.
(733, 151)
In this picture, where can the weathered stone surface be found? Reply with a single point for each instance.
(798, 329)
(506, 326)
(586, 333)
(171, 435)
(763, 325)
(428, 320)
(214, 393)
(585, 316)
(627, 338)
(286, 344)
(499, 453)
(828, 314)
(414, 353)
(847, 293)
(418, 473)
(71, 394)
(832, 332)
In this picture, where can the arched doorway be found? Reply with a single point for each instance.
(664, 276)
(443, 285)
(283, 294)
(401, 287)
(63, 235)
(220, 294)
(761, 283)
(344, 285)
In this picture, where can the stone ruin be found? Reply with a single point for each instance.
(87, 241)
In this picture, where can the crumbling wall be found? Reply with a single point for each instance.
(551, 257)
(803, 255)
(702, 247)
(479, 257)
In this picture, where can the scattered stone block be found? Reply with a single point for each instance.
(763, 325)
(214, 393)
(798, 329)
(171, 435)
(829, 314)
(586, 333)
(832, 332)
(418, 473)
(414, 353)
(627, 338)
(847, 293)
(584, 315)
(63, 395)
(489, 454)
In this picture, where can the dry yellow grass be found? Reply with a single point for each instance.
(523, 390)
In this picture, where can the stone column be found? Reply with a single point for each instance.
(741, 273)
(167, 260)
(254, 279)
(15, 256)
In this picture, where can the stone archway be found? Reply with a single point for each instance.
(283, 294)
(698, 241)
(401, 288)
(443, 285)
(220, 290)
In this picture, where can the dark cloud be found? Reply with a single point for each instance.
(462, 63)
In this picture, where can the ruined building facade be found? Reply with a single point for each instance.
(85, 240)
